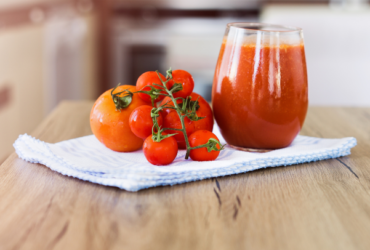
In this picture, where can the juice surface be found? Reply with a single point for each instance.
(260, 94)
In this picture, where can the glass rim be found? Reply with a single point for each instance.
(278, 28)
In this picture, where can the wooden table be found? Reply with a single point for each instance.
(322, 205)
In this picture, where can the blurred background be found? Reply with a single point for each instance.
(53, 50)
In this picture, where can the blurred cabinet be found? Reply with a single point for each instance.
(185, 41)
(21, 72)
(46, 55)
(17, 3)
(70, 62)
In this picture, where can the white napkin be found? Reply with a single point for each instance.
(87, 159)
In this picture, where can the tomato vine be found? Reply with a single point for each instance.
(184, 107)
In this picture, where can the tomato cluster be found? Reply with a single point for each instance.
(128, 118)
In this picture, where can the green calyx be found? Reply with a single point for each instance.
(189, 108)
(189, 105)
(154, 93)
(176, 88)
(120, 101)
(159, 136)
(211, 145)
(154, 113)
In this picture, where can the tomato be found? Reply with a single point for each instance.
(201, 154)
(141, 122)
(147, 79)
(172, 120)
(167, 100)
(183, 77)
(203, 111)
(111, 126)
(160, 153)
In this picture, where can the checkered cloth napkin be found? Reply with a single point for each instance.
(87, 159)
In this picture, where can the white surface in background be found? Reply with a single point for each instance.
(337, 43)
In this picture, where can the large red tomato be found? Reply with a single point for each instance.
(111, 126)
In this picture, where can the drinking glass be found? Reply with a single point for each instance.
(260, 91)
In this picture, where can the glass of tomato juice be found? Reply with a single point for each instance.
(260, 92)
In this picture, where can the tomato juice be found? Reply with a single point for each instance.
(260, 93)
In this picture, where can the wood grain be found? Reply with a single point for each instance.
(322, 205)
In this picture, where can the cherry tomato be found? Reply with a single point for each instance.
(172, 120)
(203, 111)
(198, 138)
(147, 79)
(160, 153)
(111, 126)
(168, 102)
(141, 123)
(185, 78)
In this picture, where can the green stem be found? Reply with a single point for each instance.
(182, 118)
(185, 136)
(200, 146)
